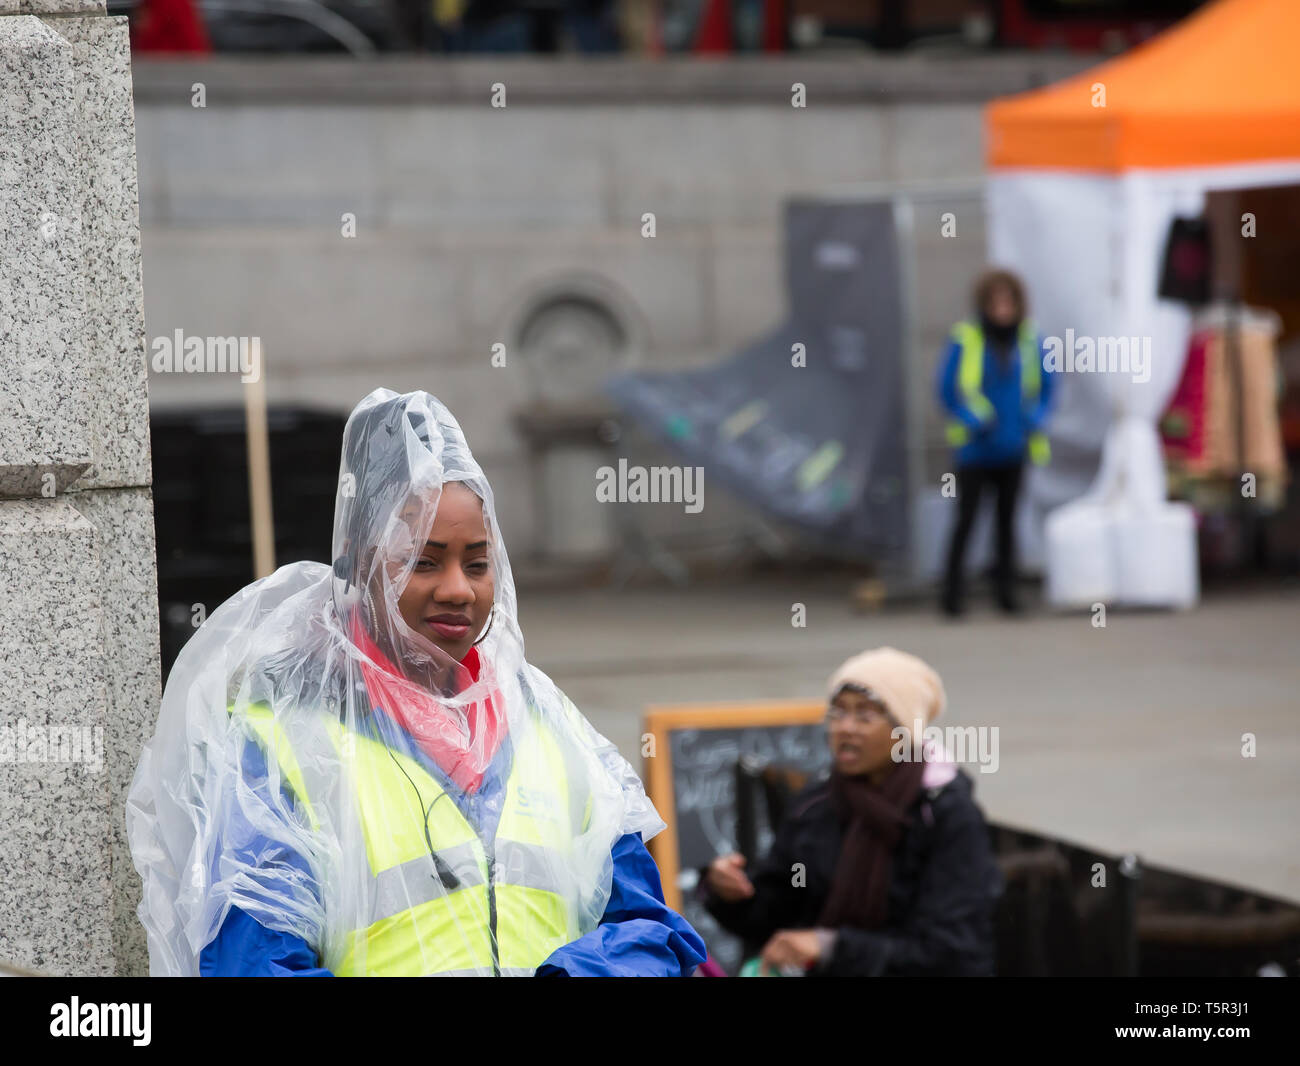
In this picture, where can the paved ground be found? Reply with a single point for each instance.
(1122, 738)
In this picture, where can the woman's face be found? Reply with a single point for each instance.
(449, 594)
(1001, 307)
(859, 728)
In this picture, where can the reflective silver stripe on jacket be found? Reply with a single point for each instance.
(530, 866)
(399, 888)
(416, 881)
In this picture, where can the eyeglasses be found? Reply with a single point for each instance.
(859, 715)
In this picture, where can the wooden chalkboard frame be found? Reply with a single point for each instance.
(659, 722)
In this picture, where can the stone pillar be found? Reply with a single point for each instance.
(79, 667)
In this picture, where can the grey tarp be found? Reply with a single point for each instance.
(820, 446)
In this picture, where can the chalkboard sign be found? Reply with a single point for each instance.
(690, 771)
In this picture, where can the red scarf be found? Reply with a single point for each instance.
(439, 733)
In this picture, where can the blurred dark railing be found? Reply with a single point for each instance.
(1054, 920)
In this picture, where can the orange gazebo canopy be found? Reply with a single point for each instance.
(1220, 87)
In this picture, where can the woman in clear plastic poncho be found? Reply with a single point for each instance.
(356, 772)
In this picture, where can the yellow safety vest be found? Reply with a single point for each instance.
(494, 909)
(970, 381)
(448, 12)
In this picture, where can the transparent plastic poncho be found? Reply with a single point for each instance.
(261, 788)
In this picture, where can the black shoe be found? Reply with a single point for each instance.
(952, 607)
(1009, 604)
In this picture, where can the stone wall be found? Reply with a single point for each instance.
(78, 621)
(465, 214)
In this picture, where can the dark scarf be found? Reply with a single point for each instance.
(876, 817)
(1002, 339)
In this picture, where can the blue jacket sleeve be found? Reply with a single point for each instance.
(1045, 392)
(639, 936)
(243, 947)
(946, 388)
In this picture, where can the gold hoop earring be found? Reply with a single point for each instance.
(492, 617)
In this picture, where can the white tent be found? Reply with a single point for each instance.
(1085, 178)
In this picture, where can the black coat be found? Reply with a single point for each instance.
(944, 884)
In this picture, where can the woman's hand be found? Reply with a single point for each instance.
(726, 878)
(792, 949)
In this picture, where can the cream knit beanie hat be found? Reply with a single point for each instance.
(910, 690)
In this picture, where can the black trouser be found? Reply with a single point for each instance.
(971, 484)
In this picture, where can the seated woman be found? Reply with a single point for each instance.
(355, 771)
(885, 869)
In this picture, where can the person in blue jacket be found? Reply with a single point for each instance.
(356, 772)
(996, 389)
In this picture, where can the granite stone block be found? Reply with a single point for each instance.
(79, 622)
(113, 323)
(45, 419)
(51, 7)
(128, 583)
(56, 905)
(73, 400)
